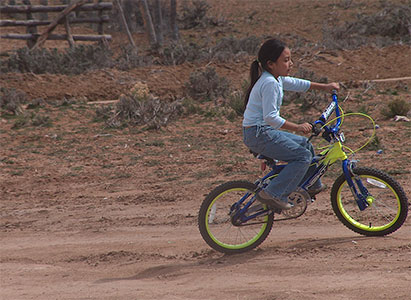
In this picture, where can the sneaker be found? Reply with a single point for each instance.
(315, 191)
(265, 198)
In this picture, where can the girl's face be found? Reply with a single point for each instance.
(282, 66)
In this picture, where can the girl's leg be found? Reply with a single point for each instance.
(303, 142)
(284, 146)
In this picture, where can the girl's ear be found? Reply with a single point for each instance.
(270, 65)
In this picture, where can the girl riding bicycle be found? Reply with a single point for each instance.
(263, 126)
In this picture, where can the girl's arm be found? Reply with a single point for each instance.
(306, 127)
(327, 87)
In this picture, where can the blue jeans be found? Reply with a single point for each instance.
(284, 146)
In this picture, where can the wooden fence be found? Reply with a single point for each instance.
(35, 39)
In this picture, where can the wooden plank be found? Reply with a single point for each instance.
(103, 102)
(388, 79)
(9, 23)
(88, 37)
(10, 9)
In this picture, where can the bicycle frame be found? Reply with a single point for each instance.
(326, 158)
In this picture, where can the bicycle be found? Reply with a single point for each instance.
(366, 200)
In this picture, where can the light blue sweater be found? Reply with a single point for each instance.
(266, 97)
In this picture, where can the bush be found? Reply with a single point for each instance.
(207, 85)
(194, 15)
(374, 145)
(229, 49)
(178, 53)
(139, 107)
(249, 45)
(129, 59)
(398, 107)
(389, 26)
(73, 61)
(11, 100)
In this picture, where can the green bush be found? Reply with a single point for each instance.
(397, 107)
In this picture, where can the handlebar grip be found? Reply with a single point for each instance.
(315, 129)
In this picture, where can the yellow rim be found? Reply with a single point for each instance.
(359, 225)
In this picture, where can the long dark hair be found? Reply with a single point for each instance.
(270, 50)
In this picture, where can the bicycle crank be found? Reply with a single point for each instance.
(299, 200)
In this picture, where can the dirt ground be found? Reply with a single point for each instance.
(89, 212)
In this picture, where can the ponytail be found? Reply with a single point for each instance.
(255, 73)
(269, 51)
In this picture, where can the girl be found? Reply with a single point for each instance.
(263, 126)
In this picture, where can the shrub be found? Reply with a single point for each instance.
(194, 15)
(236, 102)
(139, 107)
(129, 59)
(177, 53)
(207, 85)
(397, 107)
(11, 100)
(73, 61)
(249, 45)
(236, 99)
(388, 26)
(229, 49)
(374, 145)
(33, 119)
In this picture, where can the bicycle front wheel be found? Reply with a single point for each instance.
(215, 219)
(388, 204)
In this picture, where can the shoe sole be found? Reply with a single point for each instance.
(273, 204)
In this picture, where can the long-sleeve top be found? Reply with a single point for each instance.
(266, 98)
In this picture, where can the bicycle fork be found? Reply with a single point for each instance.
(362, 197)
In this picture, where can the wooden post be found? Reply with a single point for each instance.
(149, 23)
(56, 21)
(44, 15)
(173, 20)
(30, 29)
(100, 28)
(158, 22)
(123, 20)
(69, 35)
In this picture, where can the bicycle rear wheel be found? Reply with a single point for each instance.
(388, 204)
(216, 226)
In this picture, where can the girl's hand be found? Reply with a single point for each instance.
(327, 87)
(305, 127)
(332, 86)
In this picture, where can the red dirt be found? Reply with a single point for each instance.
(89, 212)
